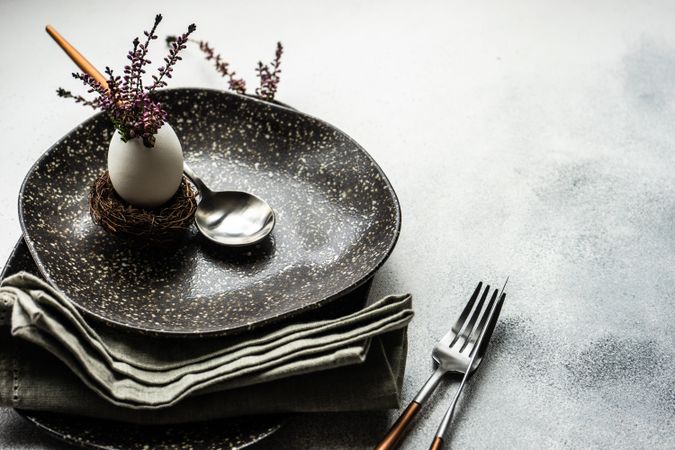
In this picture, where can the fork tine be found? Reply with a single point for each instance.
(467, 309)
(466, 330)
(473, 337)
(454, 331)
(490, 326)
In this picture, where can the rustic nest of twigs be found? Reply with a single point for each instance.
(159, 225)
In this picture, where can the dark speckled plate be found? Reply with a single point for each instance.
(338, 220)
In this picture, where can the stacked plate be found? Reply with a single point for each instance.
(338, 220)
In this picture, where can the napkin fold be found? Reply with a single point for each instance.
(347, 362)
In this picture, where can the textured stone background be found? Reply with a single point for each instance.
(534, 139)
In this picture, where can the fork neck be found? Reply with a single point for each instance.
(430, 385)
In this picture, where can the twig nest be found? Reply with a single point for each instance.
(159, 225)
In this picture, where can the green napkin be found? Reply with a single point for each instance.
(163, 380)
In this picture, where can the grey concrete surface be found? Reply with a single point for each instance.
(534, 139)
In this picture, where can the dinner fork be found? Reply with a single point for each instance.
(492, 313)
(457, 352)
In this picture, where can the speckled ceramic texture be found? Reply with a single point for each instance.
(93, 433)
(99, 434)
(338, 220)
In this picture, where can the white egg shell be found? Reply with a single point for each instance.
(146, 177)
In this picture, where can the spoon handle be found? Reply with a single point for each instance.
(203, 190)
(84, 65)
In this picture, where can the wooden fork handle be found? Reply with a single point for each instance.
(77, 58)
(398, 430)
(437, 444)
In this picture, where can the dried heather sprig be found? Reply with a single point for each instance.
(128, 79)
(126, 102)
(133, 81)
(236, 84)
(269, 77)
(78, 98)
(136, 117)
(171, 59)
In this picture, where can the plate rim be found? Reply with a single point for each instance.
(243, 327)
(26, 415)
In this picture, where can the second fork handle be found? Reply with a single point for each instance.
(399, 429)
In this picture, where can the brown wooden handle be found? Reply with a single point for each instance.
(77, 58)
(437, 444)
(398, 429)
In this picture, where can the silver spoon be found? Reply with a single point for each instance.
(231, 218)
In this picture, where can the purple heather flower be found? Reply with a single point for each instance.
(171, 59)
(268, 74)
(236, 84)
(129, 104)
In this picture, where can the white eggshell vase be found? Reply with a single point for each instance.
(146, 176)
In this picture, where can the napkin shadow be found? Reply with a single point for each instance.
(361, 429)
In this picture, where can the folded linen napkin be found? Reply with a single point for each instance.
(162, 380)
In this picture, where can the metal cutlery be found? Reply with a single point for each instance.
(232, 218)
(476, 354)
(460, 351)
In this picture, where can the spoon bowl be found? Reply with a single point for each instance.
(234, 218)
(231, 218)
